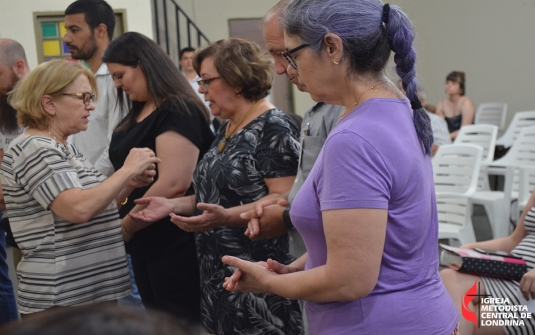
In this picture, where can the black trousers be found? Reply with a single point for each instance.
(171, 282)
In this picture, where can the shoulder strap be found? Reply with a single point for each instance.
(461, 107)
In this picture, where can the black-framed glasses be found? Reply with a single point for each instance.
(205, 82)
(85, 96)
(289, 57)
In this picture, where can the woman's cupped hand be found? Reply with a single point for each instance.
(213, 216)
(139, 160)
(253, 277)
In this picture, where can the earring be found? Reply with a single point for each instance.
(335, 61)
(238, 93)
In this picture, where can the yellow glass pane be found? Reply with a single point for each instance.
(62, 29)
(51, 48)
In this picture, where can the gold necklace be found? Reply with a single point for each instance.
(65, 148)
(374, 88)
(228, 134)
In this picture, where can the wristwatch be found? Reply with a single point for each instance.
(286, 217)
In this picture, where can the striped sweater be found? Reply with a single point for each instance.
(63, 263)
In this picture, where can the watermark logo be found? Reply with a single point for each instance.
(468, 314)
(492, 311)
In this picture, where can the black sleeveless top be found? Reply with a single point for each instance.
(454, 123)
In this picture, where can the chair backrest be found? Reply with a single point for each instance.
(527, 184)
(492, 113)
(522, 152)
(456, 168)
(520, 156)
(483, 135)
(520, 120)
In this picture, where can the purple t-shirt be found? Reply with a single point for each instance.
(373, 159)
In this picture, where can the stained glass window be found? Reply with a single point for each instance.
(50, 30)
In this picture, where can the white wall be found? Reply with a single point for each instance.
(491, 40)
(17, 19)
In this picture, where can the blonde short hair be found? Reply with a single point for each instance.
(49, 78)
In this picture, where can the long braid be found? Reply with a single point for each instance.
(400, 33)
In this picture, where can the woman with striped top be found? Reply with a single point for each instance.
(63, 211)
(520, 243)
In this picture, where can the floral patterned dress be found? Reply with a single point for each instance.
(267, 147)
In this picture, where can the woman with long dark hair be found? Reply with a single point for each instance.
(168, 117)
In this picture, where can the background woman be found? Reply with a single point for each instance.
(458, 110)
(520, 243)
(62, 210)
(168, 117)
(367, 211)
(254, 156)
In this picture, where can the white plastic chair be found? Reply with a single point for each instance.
(526, 184)
(520, 120)
(455, 170)
(498, 203)
(483, 135)
(492, 113)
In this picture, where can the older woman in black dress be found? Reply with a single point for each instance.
(253, 157)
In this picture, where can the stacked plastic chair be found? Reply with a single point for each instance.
(498, 203)
(492, 113)
(456, 169)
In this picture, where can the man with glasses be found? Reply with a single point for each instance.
(317, 123)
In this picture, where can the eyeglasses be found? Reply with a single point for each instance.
(205, 82)
(289, 57)
(85, 96)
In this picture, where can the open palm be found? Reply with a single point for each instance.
(157, 208)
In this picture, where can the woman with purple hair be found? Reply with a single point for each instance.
(367, 212)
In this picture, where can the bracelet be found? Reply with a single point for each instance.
(123, 230)
(122, 203)
(286, 218)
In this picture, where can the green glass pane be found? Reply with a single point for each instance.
(49, 30)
